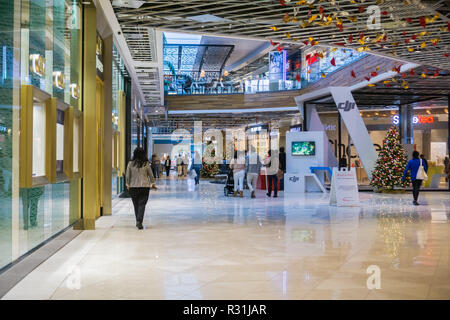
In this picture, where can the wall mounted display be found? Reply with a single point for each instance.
(277, 65)
(49, 127)
(303, 148)
(59, 141)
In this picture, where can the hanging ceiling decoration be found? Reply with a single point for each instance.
(410, 30)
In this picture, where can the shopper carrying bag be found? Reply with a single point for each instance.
(421, 174)
(418, 170)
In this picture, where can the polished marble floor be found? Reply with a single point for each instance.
(199, 244)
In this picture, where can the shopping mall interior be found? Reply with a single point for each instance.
(330, 98)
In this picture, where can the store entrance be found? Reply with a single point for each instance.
(430, 138)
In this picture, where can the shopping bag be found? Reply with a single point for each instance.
(280, 174)
(421, 174)
(192, 174)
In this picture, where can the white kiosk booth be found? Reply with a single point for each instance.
(304, 150)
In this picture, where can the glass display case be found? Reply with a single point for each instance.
(59, 142)
(35, 134)
(39, 122)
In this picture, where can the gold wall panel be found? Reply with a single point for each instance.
(50, 137)
(28, 95)
(90, 206)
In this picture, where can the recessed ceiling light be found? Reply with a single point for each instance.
(135, 4)
(206, 18)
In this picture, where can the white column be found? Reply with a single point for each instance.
(356, 127)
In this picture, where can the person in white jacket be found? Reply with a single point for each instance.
(237, 164)
(179, 165)
(253, 168)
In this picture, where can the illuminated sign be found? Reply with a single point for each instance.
(37, 64)
(416, 119)
(58, 80)
(74, 90)
(277, 65)
(347, 105)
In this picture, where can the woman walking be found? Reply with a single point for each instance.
(413, 165)
(253, 169)
(237, 164)
(155, 165)
(272, 164)
(179, 165)
(138, 178)
(167, 164)
(197, 166)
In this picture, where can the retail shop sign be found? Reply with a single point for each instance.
(415, 120)
(347, 105)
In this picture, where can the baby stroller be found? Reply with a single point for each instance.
(229, 185)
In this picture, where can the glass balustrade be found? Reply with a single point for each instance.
(186, 82)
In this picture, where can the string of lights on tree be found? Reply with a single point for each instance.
(391, 163)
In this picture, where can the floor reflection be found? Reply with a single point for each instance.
(200, 244)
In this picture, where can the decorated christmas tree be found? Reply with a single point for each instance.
(209, 170)
(391, 163)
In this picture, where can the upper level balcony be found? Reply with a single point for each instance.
(202, 69)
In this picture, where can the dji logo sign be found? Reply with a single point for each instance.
(347, 105)
(294, 179)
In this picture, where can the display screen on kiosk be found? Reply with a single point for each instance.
(303, 148)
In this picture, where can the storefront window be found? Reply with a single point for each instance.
(430, 137)
(9, 94)
(117, 117)
(430, 125)
(46, 56)
(38, 139)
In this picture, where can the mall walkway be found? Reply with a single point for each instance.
(199, 244)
